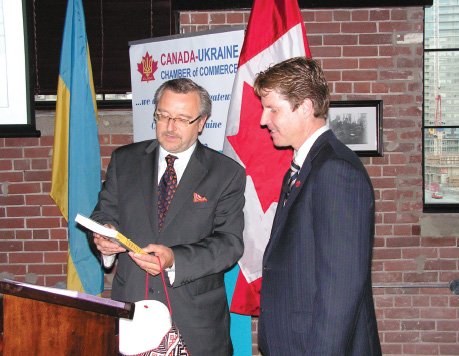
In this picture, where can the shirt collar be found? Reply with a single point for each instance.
(300, 155)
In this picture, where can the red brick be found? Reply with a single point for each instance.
(199, 18)
(24, 188)
(11, 153)
(358, 27)
(359, 75)
(21, 142)
(23, 211)
(394, 26)
(26, 258)
(12, 223)
(341, 15)
(324, 28)
(386, 277)
(6, 165)
(439, 301)
(418, 325)
(419, 252)
(57, 257)
(421, 301)
(6, 234)
(362, 87)
(438, 242)
(217, 18)
(58, 234)
(15, 270)
(41, 223)
(420, 277)
(449, 253)
(402, 241)
(420, 349)
(324, 16)
(234, 17)
(402, 265)
(438, 337)
(23, 234)
(37, 152)
(40, 234)
(39, 199)
(34, 176)
(438, 313)
(383, 301)
(51, 281)
(447, 325)
(440, 265)
(48, 269)
(9, 246)
(40, 164)
(401, 337)
(449, 349)
(11, 176)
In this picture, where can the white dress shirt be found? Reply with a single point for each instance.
(179, 165)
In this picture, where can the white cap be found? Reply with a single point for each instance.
(146, 330)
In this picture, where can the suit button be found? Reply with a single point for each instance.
(151, 290)
(265, 268)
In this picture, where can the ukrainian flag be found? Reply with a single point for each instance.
(76, 178)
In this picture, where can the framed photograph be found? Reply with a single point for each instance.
(358, 124)
(17, 116)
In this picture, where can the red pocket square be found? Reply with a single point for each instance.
(198, 199)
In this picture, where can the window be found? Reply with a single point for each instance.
(441, 107)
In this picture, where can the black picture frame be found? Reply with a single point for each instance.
(27, 126)
(358, 124)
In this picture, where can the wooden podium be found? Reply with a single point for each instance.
(39, 322)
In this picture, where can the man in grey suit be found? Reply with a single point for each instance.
(197, 237)
(316, 295)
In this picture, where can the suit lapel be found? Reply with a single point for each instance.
(282, 211)
(195, 171)
(149, 164)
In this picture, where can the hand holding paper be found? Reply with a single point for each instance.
(109, 233)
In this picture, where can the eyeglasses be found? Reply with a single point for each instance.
(177, 121)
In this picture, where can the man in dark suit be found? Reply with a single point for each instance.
(201, 234)
(316, 295)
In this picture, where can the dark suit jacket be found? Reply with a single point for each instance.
(316, 296)
(206, 237)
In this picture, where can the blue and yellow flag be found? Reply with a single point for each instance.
(76, 178)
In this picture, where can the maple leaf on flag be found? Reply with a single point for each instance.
(147, 67)
(255, 149)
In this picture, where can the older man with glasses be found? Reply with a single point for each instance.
(181, 202)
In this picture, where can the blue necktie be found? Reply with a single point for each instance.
(294, 171)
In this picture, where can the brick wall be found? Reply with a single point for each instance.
(366, 54)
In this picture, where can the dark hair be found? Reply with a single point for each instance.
(185, 86)
(296, 79)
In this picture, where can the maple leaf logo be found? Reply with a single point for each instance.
(147, 68)
(253, 145)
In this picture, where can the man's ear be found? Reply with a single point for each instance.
(201, 123)
(307, 107)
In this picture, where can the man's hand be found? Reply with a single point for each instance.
(150, 263)
(106, 246)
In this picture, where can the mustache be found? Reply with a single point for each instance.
(170, 133)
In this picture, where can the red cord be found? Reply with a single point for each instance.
(164, 283)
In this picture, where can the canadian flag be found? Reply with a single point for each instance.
(275, 32)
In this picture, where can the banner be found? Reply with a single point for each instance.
(209, 58)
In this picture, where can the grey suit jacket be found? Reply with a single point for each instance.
(206, 237)
(316, 296)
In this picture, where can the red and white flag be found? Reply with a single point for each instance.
(275, 32)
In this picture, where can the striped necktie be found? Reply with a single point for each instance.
(294, 171)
